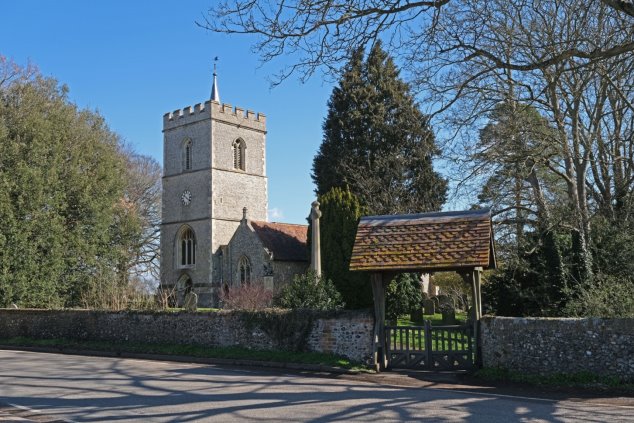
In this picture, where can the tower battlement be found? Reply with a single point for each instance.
(212, 109)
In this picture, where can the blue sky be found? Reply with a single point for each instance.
(135, 61)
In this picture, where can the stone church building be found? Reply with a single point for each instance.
(214, 173)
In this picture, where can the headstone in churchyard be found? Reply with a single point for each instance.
(444, 299)
(416, 315)
(448, 314)
(268, 282)
(429, 307)
(191, 302)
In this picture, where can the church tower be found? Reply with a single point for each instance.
(214, 165)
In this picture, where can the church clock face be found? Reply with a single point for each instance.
(186, 198)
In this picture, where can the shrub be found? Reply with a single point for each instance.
(104, 293)
(253, 296)
(403, 295)
(603, 296)
(309, 291)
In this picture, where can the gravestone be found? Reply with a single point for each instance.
(268, 282)
(448, 314)
(444, 299)
(416, 315)
(429, 307)
(191, 302)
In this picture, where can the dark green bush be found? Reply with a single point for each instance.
(309, 291)
(603, 296)
(403, 295)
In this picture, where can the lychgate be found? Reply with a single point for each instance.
(427, 242)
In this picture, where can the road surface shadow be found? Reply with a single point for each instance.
(97, 389)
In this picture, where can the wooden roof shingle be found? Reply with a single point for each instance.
(424, 242)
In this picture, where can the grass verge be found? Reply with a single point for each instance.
(559, 380)
(198, 310)
(234, 353)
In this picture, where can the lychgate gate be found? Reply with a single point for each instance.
(427, 347)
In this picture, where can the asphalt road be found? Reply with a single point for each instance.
(45, 387)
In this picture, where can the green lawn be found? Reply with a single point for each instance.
(191, 351)
(436, 319)
(442, 340)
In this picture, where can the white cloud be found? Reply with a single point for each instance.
(275, 214)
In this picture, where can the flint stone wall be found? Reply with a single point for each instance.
(343, 333)
(562, 345)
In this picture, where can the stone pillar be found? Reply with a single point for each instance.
(315, 253)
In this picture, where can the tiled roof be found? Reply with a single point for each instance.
(287, 242)
(426, 241)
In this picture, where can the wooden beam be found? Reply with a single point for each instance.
(477, 305)
(378, 349)
(477, 273)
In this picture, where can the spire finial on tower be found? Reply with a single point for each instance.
(215, 96)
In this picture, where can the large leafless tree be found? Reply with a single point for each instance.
(140, 209)
(572, 61)
(321, 34)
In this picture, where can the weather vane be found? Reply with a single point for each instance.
(214, 87)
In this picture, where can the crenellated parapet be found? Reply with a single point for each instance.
(214, 110)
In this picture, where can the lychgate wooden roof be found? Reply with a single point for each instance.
(424, 242)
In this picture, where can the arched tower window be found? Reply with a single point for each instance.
(186, 247)
(244, 269)
(239, 153)
(187, 155)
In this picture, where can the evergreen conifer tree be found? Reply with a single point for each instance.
(377, 142)
(341, 211)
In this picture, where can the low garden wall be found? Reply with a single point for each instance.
(342, 333)
(550, 346)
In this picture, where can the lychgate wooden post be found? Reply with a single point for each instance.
(378, 348)
(477, 273)
(477, 304)
(472, 278)
(475, 312)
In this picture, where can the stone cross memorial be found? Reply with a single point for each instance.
(315, 253)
